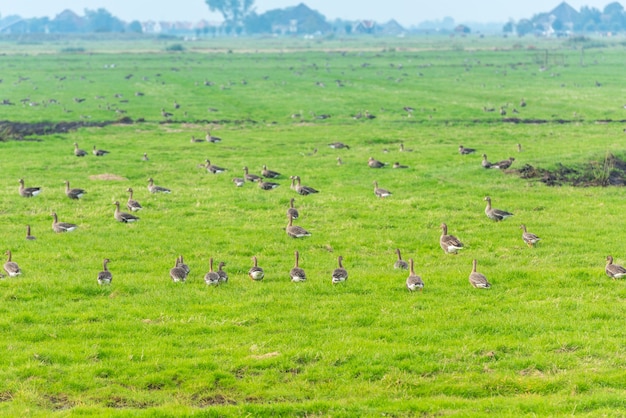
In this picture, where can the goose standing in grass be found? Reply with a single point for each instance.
(402, 149)
(270, 174)
(105, 276)
(339, 161)
(59, 227)
(398, 165)
(340, 274)
(465, 151)
(11, 267)
(478, 280)
(99, 152)
(145, 157)
(132, 204)
(212, 168)
(177, 273)
(223, 276)
(614, 271)
(504, 164)
(256, 272)
(375, 163)
(400, 263)
(303, 190)
(152, 188)
(195, 140)
(28, 191)
(529, 238)
(266, 185)
(297, 274)
(379, 192)
(338, 145)
(248, 176)
(295, 231)
(238, 181)
(74, 194)
(212, 139)
(123, 216)
(183, 265)
(292, 211)
(495, 214)
(212, 278)
(79, 152)
(28, 235)
(486, 163)
(413, 282)
(449, 243)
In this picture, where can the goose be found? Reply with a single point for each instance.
(266, 185)
(338, 145)
(250, 177)
(398, 165)
(522, 103)
(478, 280)
(519, 147)
(340, 274)
(495, 214)
(296, 273)
(402, 149)
(28, 191)
(212, 168)
(529, 238)
(614, 271)
(295, 231)
(166, 114)
(195, 140)
(465, 151)
(145, 157)
(132, 204)
(74, 194)
(105, 276)
(339, 161)
(28, 235)
(414, 282)
(269, 173)
(449, 243)
(382, 193)
(375, 163)
(123, 216)
(504, 164)
(11, 267)
(212, 278)
(256, 272)
(183, 265)
(177, 273)
(61, 226)
(303, 190)
(400, 263)
(292, 211)
(211, 138)
(79, 152)
(486, 163)
(223, 276)
(156, 189)
(99, 152)
(239, 181)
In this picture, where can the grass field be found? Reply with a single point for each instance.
(546, 340)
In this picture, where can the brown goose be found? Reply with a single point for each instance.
(339, 161)
(212, 139)
(256, 272)
(529, 238)
(177, 273)
(74, 194)
(270, 174)
(79, 152)
(504, 164)
(495, 214)
(414, 282)
(239, 181)
(614, 271)
(519, 147)
(292, 211)
(338, 145)
(375, 163)
(398, 165)
(123, 216)
(449, 243)
(28, 235)
(156, 189)
(11, 267)
(212, 168)
(248, 176)
(132, 204)
(400, 263)
(221, 273)
(402, 149)
(195, 140)
(296, 273)
(465, 151)
(183, 265)
(340, 274)
(486, 163)
(99, 152)
(28, 191)
(295, 231)
(105, 276)
(145, 157)
(303, 190)
(212, 278)
(59, 227)
(379, 192)
(478, 280)
(266, 185)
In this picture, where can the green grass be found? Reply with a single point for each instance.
(545, 340)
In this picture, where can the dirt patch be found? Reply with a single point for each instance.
(208, 401)
(21, 130)
(608, 172)
(107, 176)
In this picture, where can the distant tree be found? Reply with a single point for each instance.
(558, 25)
(234, 12)
(588, 20)
(38, 24)
(614, 8)
(102, 20)
(508, 27)
(135, 27)
(524, 27)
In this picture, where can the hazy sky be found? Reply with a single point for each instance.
(407, 12)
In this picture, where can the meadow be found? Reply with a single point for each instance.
(547, 339)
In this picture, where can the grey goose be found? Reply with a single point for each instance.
(413, 282)
(11, 267)
(375, 163)
(99, 152)
(105, 277)
(478, 280)
(485, 163)
(212, 168)
(223, 276)
(256, 272)
(400, 263)
(380, 192)
(338, 145)
(248, 176)
(131, 203)
(79, 152)
(495, 214)
(152, 188)
(398, 165)
(340, 274)
(292, 211)
(123, 216)
(212, 278)
(529, 238)
(303, 190)
(266, 185)
(504, 164)
(59, 227)
(177, 273)
(465, 151)
(238, 181)
(28, 235)
(297, 274)
(211, 138)
(28, 191)
(449, 243)
(295, 231)
(75, 193)
(183, 265)
(614, 271)
(270, 174)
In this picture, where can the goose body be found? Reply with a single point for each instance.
(223, 276)
(250, 177)
(99, 152)
(266, 185)
(465, 151)
(529, 238)
(123, 216)
(212, 139)
(338, 145)
(614, 271)
(183, 265)
(292, 211)
(145, 157)
(413, 282)
(486, 163)
(504, 164)
(105, 276)
(495, 214)
(400, 263)
(239, 181)
(375, 163)
(256, 272)
(74, 194)
(270, 174)
(79, 152)
(59, 227)
(214, 169)
(478, 280)
(212, 278)
(379, 192)
(297, 274)
(398, 165)
(132, 204)
(11, 267)
(28, 235)
(152, 188)
(178, 273)
(303, 190)
(403, 149)
(295, 231)
(28, 191)
(340, 274)
(449, 243)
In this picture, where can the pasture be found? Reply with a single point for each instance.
(547, 339)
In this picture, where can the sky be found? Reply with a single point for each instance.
(406, 12)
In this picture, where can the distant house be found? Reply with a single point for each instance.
(391, 28)
(364, 26)
(298, 19)
(559, 20)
